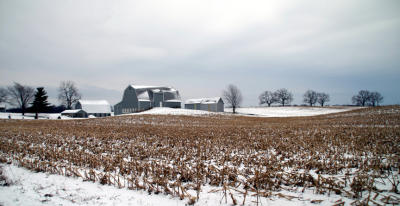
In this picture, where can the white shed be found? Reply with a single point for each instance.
(214, 104)
(98, 108)
(74, 113)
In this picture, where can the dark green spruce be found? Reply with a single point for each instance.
(40, 103)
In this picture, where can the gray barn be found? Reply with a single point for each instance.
(138, 98)
(214, 104)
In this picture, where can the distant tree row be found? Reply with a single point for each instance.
(281, 96)
(233, 97)
(367, 98)
(285, 97)
(311, 97)
(23, 96)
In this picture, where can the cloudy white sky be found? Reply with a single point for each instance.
(199, 47)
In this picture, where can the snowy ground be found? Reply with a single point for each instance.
(289, 111)
(249, 111)
(31, 188)
(5, 115)
(174, 111)
(254, 111)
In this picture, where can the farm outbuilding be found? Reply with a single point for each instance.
(139, 98)
(215, 104)
(75, 113)
(97, 108)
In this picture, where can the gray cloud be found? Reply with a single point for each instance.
(200, 47)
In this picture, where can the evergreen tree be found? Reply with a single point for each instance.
(40, 103)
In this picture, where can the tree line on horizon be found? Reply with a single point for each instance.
(233, 97)
(27, 99)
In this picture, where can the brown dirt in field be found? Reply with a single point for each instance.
(171, 154)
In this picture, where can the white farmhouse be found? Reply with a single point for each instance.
(97, 108)
(74, 113)
(214, 104)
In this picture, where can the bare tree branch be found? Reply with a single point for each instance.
(323, 98)
(3, 95)
(268, 98)
(283, 96)
(20, 95)
(310, 97)
(361, 98)
(375, 98)
(232, 96)
(68, 94)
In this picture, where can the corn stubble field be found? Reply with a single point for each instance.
(354, 154)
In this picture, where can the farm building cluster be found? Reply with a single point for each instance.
(137, 98)
(89, 108)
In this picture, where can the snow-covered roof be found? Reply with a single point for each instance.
(153, 88)
(212, 100)
(173, 100)
(71, 111)
(95, 106)
(143, 87)
(2, 106)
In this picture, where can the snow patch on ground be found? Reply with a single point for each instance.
(174, 111)
(288, 111)
(31, 188)
(6, 115)
(252, 111)
(249, 111)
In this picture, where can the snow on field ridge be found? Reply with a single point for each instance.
(289, 111)
(174, 111)
(254, 111)
(245, 111)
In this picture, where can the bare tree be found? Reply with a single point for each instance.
(3, 95)
(310, 97)
(68, 94)
(267, 97)
(283, 96)
(20, 95)
(375, 98)
(232, 96)
(361, 98)
(323, 98)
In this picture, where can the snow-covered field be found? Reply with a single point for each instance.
(6, 115)
(31, 188)
(246, 111)
(254, 111)
(289, 111)
(296, 157)
(174, 111)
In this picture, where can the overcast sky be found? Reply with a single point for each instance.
(199, 47)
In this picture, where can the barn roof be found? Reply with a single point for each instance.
(212, 100)
(173, 100)
(144, 87)
(95, 106)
